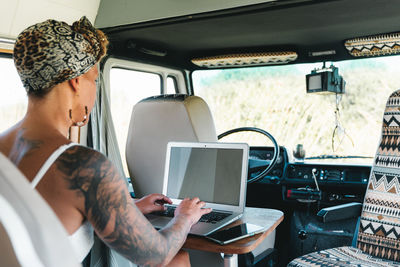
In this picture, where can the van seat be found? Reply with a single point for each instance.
(155, 121)
(30, 232)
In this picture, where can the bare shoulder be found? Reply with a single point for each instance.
(94, 178)
(83, 167)
(77, 158)
(81, 160)
(7, 138)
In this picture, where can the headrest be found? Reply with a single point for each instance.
(155, 121)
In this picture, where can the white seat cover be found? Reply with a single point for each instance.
(154, 122)
(33, 230)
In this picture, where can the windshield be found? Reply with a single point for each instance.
(275, 99)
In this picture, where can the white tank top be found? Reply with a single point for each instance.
(82, 240)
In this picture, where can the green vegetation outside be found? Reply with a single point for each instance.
(275, 99)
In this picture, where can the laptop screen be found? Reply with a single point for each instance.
(212, 174)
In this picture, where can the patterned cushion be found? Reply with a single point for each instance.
(379, 231)
(378, 240)
(342, 256)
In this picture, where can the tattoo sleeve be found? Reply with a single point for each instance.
(112, 212)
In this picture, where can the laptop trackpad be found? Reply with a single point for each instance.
(158, 222)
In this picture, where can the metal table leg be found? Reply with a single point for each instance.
(230, 260)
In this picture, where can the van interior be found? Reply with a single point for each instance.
(303, 82)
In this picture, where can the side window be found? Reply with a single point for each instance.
(127, 87)
(13, 99)
(171, 85)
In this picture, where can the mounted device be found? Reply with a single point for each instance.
(325, 81)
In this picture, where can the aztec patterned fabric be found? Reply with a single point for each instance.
(378, 242)
(383, 44)
(341, 257)
(379, 233)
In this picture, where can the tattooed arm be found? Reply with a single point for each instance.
(113, 214)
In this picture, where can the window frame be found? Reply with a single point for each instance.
(164, 73)
(175, 83)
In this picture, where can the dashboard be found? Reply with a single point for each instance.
(301, 189)
(309, 181)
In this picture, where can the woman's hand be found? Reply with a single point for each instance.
(192, 209)
(152, 202)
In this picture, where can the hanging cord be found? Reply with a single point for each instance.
(338, 126)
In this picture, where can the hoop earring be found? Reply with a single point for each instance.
(80, 123)
(78, 135)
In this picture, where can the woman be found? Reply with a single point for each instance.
(57, 66)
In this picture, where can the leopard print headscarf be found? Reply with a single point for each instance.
(52, 52)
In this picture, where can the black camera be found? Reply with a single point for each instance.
(325, 81)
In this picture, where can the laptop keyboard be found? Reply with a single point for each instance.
(212, 217)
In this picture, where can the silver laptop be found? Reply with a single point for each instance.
(214, 172)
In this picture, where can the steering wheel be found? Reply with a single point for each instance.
(254, 164)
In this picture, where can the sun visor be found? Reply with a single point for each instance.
(376, 45)
(247, 59)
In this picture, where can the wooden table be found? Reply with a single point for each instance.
(268, 218)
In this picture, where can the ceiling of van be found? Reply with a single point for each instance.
(16, 15)
(303, 26)
(121, 12)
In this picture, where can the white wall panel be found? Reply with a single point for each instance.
(84, 5)
(16, 15)
(7, 12)
(121, 12)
